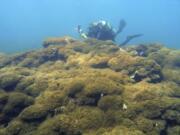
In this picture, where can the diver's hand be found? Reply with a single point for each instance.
(79, 29)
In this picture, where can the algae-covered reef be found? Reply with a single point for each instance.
(90, 87)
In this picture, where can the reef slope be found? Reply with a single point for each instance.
(90, 87)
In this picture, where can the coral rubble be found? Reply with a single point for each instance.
(90, 87)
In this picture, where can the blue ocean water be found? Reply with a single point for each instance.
(25, 24)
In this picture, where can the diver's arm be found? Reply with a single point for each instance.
(129, 38)
(122, 25)
(81, 32)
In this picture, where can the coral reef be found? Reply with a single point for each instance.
(90, 87)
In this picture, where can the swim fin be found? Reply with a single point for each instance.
(129, 38)
(122, 25)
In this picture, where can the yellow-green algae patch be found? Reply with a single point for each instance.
(90, 87)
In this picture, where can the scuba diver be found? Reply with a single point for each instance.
(103, 30)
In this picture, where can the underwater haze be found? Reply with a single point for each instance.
(25, 24)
